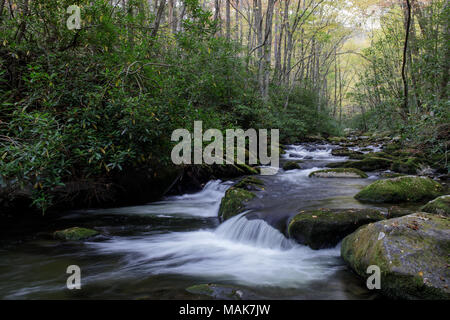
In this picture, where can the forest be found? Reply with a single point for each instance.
(91, 91)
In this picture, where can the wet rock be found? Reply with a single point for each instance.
(324, 228)
(294, 155)
(411, 252)
(308, 157)
(390, 174)
(396, 212)
(440, 205)
(250, 183)
(291, 165)
(74, 234)
(367, 164)
(336, 139)
(217, 291)
(401, 189)
(339, 173)
(344, 152)
(237, 196)
(408, 166)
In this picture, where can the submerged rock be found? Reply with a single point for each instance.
(412, 253)
(440, 205)
(291, 165)
(339, 173)
(216, 291)
(324, 228)
(367, 164)
(74, 234)
(401, 189)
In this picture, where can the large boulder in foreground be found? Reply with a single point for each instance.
(440, 205)
(412, 253)
(401, 189)
(235, 198)
(338, 173)
(324, 228)
(74, 234)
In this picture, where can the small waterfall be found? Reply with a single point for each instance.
(255, 232)
(205, 203)
(317, 152)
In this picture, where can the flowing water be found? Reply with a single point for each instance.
(156, 251)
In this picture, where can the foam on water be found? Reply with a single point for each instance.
(241, 251)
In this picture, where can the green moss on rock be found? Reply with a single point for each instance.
(345, 152)
(249, 183)
(291, 165)
(408, 166)
(74, 234)
(411, 252)
(324, 228)
(235, 198)
(367, 164)
(401, 189)
(396, 212)
(440, 205)
(339, 173)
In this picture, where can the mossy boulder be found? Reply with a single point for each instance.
(392, 147)
(250, 183)
(217, 291)
(291, 165)
(339, 173)
(440, 205)
(408, 166)
(401, 189)
(367, 164)
(74, 234)
(412, 253)
(344, 152)
(392, 174)
(336, 139)
(236, 197)
(324, 228)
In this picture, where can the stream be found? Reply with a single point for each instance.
(156, 251)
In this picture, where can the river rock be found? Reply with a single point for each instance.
(324, 228)
(291, 165)
(396, 212)
(401, 189)
(367, 164)
(217, 291)
(344, 152)
(336, 139)
(339, 173)
(440, 205)
(74, 234)
(235, 198)
(412, 253)
(408, 166)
